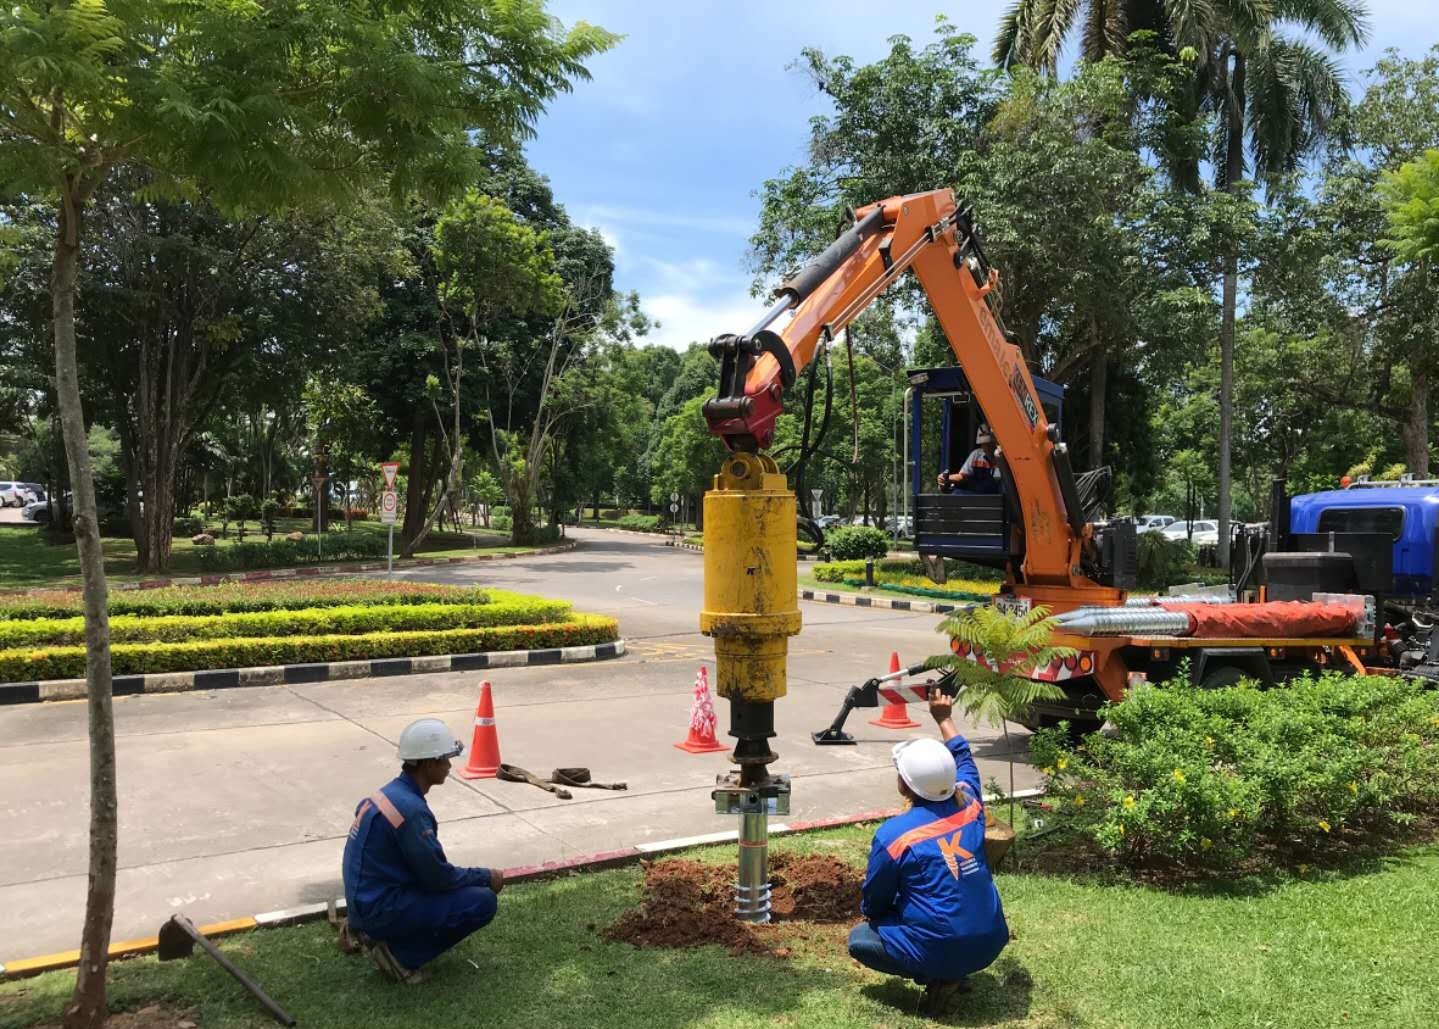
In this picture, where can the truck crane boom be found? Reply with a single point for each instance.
(936, 238)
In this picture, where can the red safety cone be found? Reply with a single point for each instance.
(701, 738)
(895, 716)
(484, 760)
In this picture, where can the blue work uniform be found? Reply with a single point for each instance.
(399, 888)
(928, 892)
(980, 473)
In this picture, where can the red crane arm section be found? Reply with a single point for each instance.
(925, 233)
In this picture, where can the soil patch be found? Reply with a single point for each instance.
(690, 903)
(151, 1016)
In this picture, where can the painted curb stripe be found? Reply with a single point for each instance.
(856, 600)
(316, 911)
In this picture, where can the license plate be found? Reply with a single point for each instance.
(1013, 605)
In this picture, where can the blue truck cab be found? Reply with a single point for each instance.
(1407, 513)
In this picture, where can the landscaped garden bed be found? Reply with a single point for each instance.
(241, 625)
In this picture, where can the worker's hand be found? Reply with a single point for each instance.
(941, 705)
(942, 478)
(497, 879)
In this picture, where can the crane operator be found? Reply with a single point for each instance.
(980, 472)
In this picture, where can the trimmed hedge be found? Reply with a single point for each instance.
(856, 542)
(134, 658)
(348, 620)
(641, 523)
(281, 553)
(284, 595)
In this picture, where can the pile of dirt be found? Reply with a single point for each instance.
(152, 1016)
(689, 903)
(814, 888)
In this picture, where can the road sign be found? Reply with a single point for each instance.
(674, 499)
(674, 508)
(391, 470)
(389, 507)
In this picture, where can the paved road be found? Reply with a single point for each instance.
(233, 802)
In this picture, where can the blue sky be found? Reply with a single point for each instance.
(665, 147)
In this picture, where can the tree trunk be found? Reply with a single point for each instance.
(87, 1007)
(1226, 400)
(415, 490)
(1098, 385)
(1415, 431)
(1233, 172)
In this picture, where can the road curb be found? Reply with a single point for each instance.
(291, 675)
(26, 967)
(858, 600)
(311, 571)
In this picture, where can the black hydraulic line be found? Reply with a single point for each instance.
(826, 264)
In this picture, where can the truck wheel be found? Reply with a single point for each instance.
(1221, 676)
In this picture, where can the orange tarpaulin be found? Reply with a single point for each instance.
(1274, 618)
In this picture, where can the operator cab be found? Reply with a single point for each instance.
(944, 420)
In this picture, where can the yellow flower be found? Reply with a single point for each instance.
(1128, 803)
(1209, 743)
(1062, 763)
(1121, 829)
(1049, 771)
(1205, 843)
(1079, 800)
(1303, 869)
(1434, 721)
(1178, 776)
(1354, 788)
(1323, 825)
(1233, 812)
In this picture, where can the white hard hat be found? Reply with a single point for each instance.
(428, 738)
(927, 768)
(983, 435)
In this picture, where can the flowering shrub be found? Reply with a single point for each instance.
(1210, 777)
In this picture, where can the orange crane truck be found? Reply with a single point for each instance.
(1052, 554)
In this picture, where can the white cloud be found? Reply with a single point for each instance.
(607, 213)
(687, 318)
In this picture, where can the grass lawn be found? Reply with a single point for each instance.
(29, 557)
(1351, 947)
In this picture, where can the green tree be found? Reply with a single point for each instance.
(1411, 205)
(263, 107)
(686, 457)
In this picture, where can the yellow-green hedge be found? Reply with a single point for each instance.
(68, 662)
(330, 621)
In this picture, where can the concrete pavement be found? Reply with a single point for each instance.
(237, 801)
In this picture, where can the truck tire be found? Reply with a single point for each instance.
(1221, 676)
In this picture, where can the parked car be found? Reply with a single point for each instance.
(14, 494)
(37, 491)
(1203, 534)
(36, 511)
(903, 523)
(828, 521)
(1153, 523)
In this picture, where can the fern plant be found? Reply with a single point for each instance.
(1013, 644)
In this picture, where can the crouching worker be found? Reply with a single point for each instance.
(406, 904)
(933, 913)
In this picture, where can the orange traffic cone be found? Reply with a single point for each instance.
(894, 716)
(701, 738)
(484, 760)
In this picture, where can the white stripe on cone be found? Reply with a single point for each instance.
(484, 721)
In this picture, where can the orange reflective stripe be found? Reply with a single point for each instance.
(392, 815)
(941, 827)
(359, 814)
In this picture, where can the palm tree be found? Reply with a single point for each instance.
(1273, 95)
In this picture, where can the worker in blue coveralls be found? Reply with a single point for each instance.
(933, 913)
(980, 471)
(405, 903)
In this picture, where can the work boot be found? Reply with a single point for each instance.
(939, 995)
(386, 963)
